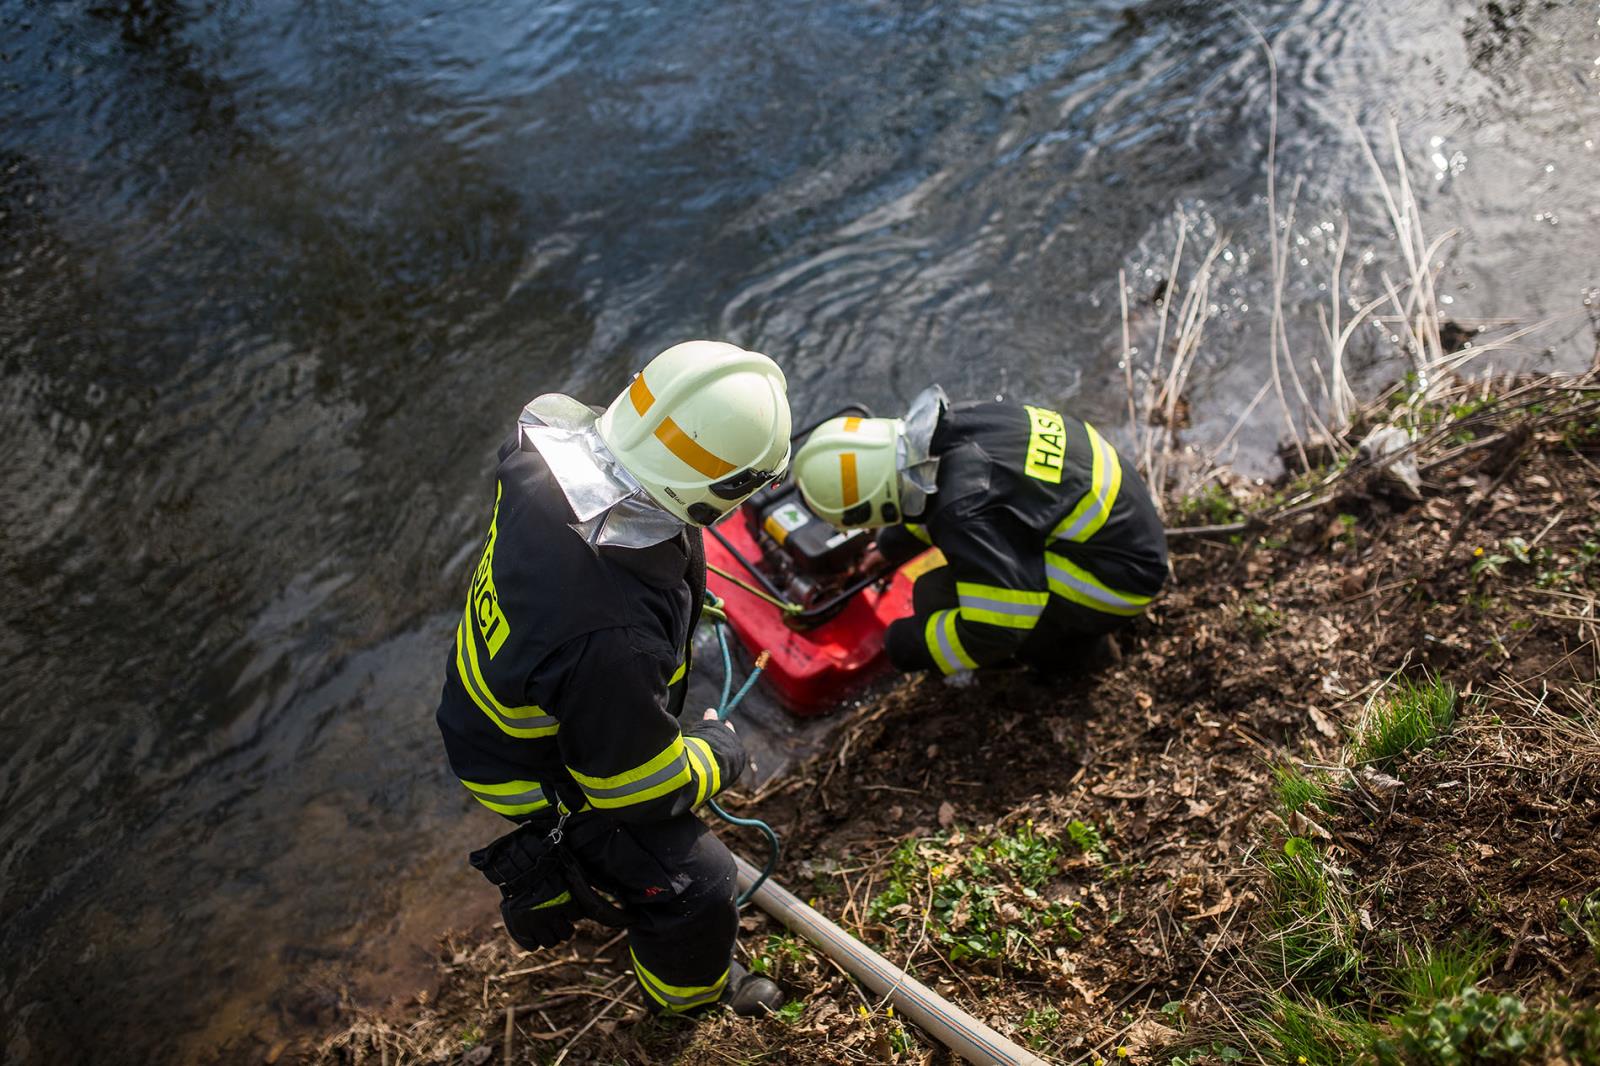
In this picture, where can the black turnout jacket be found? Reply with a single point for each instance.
(569, 666)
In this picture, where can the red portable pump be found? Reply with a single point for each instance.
(827, 638)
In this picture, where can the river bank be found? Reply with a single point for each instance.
(1337, 800)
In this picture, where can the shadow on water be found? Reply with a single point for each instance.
(275, 280)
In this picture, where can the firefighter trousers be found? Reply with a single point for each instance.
(678, 880)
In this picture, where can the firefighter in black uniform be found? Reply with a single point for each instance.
(567, 672)
(1051, 539)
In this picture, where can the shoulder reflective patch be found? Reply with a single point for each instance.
(922, 564)
(1047, 444)
(483, 600)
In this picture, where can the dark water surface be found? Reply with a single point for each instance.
(276, 278)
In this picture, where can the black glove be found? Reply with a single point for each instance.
(536, 901)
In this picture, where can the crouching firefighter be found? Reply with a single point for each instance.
(1051, 539)
(569, 667)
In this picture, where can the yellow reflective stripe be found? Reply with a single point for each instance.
(565, 897)
(997, 606)
(665, 773)
(944, 645)
(1072, 582)
(709, 779)
(688, 450)
(677, 997)
(531, 721)
(847, 478)
(677, 674)
(920, 532)
(1091, 512)
(508, 797)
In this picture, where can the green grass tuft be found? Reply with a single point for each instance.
(1313, 940)
(1311, 1033)
(1297, 791)
(1409, 718)
(1428, 973)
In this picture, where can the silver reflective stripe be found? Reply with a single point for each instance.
(514, 799)
(1110, 599)
(704, 768)
(1103, 458)
(972, 601)
(486, 701)
(666, 773)
(677, 997)
(946, 629)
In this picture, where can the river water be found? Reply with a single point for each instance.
(275, 279)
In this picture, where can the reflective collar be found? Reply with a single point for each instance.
(919, 471)
(612, 508)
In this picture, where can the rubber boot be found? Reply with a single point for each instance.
(749, 994)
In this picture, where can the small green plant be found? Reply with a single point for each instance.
(1347, 530)
(781, 953)
(1038, 1025)
(1489, 563)
(1260, 620)
(790, 1012)
(984, 904)
(1086, 838)
(1581, 919)
(1212, 505)
(1296, 791)
(1471, 1027)
(1408, 718)
(1030, 855)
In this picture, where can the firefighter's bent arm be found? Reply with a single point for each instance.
(622, 745)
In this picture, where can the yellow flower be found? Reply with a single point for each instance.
(890, 1011)
(863, 1011)
(1122, 1052)
(1302, 1060)
(1477, 551)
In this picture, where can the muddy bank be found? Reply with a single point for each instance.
(1199, 851)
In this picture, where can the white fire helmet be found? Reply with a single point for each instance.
(848, 471)
(703, 426)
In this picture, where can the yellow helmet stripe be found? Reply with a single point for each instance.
(847, 478)
(679, 443)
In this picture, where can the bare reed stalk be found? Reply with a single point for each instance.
(1192, 318)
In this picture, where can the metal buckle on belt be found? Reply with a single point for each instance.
(557, 832)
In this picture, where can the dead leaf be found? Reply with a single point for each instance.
(1222, 905)
(947, 814)
(1322, 724)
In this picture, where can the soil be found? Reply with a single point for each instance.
(1267, 647)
